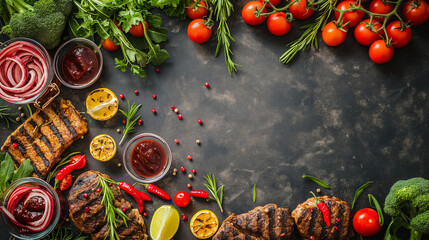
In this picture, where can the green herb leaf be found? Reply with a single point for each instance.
(157, 56)
(6, 115)
(24, 170)
(217, 193)
(131, 121)
(374, 203)
(359, 191)
(6, 172)
(158, 34)
(254, 192)
(317, 181)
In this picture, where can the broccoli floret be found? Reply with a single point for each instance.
(43, 22)
(408, 204)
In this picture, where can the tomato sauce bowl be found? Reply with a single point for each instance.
(147, 158)
(30, 208)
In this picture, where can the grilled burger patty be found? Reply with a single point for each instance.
(309, 219)
(45, 136)
(262, 223)
(92, 221)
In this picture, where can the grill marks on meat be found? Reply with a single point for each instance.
(45, 136)
(309, 219)
(92, 221)
(262, 223)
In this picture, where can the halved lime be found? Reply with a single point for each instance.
(164, 223)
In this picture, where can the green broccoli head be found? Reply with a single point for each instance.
(65, 7)
(403, 194)
(51, 25)
(420, 223)
(23, 25)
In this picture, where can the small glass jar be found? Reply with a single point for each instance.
(31, 182)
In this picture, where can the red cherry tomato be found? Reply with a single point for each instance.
(352, 18)
(137, 30)
(198, 32)
(274, 2)
(333, 36)
(277, 24)
(75, 158)
(66, 182)
(248, 13)
(199, 12)
(116, 22)
(109, 45)
(400, 37)
(299, 11)
(364, 35)
(416, 15)
(366, 222)
(379, 52)
(182, 199)
(378, 6)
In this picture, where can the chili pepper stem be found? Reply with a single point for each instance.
(317, 200)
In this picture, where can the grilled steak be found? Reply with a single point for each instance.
(92, 221)
(45, 136)
(262, 223)
(309, 219)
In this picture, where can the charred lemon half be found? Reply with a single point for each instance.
(102, 147)
(102, 104)
(204, 224)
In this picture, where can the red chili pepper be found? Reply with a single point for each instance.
(199, 193)
(144, 196)
(134, 193)
(325, 210)
(157, 191)
(68, 169)
(66, 182)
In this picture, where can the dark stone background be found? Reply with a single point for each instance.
(331, 113)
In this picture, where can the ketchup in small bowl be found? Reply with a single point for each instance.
(30, 208)
(147, 158)
(78, 63)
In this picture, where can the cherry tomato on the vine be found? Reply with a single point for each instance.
(198, 32)
(66, 182)
(274, 2)
(117, 24)
(182, 199)
(400, 37)
(378, 6)
(366, 36)
(366, 222)
(248, 13)
(76, 157)
(299, 11)
(137, 30)
(333, 36)
(416, 15)
(109, 45)
(277, 24)
(379, 52)
(200, 12)
(352, 18)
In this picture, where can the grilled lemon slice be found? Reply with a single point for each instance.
(204, 224)
(102, 147)
(102, 104)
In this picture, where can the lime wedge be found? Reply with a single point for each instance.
(164, 223)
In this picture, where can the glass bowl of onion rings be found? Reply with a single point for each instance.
(25, 70)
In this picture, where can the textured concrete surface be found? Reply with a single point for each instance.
(331, 113)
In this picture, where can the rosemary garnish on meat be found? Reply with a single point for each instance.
(112, 214)
(6, 115)
(131, 121)
(217, 193)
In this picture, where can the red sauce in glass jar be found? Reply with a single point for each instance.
(80, 65)
(148, 158)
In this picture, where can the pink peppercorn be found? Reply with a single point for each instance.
(173, 107)
(337, 219)
(124, 209)
(193, 171)
(136, 92)
(176, 141)
(189, 185)
(179, 116)
(123, 121)
(98, 190)
(184, 217)
(336, 228)
(200, 121)
(153, 110)
(189, 157)
(182, 169)
(15, 145)
(85, 195)
(157, 70)
(145, 214)
(121, 96)
(207, 84)
(86, 209)
(153, 96)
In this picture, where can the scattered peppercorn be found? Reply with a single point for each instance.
(337, 219)
(207, 84)
(85, 195)
(175, 170)
(121, 96)
(17, 119)
(20, 108)
(190, 176)
(153, 111)
(153, 96)
(123, 121)
(136, 92)
(336, 228)
(98, 190)
(174, 173)
(176, 141)
(124, 209)
(145, 214)
(119, 164)
(22, 114)
(179, 116)
(200, 121)
(198, 142)
(118, 130)
(182, 169)
(184, 217)
(176, 110)
(15, 145)
(311, 237)
(86, 209)
(157, 70)
(173, 107)
(193, 171)
(189, 185)
(318, 190)
(140, 121)
(189, 157)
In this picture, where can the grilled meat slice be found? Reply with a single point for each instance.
(92, 221)
(45, 135)
(309, 219)
(262, 223)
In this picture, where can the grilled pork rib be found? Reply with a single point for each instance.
(309, 219)
(262, 223)
(92, 222)
(45, 136)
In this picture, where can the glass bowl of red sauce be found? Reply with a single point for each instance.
(30, 208)
(147, 158)
(78, 63)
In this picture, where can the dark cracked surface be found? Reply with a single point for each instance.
(331, 113)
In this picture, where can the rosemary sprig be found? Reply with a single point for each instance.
(359, 192)
(112, 214)
(61, 163)
(6, 115)
(317, 181)
(62, 233)
(222, 10)
(131, 121)
(309, 37)
(217, 193)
